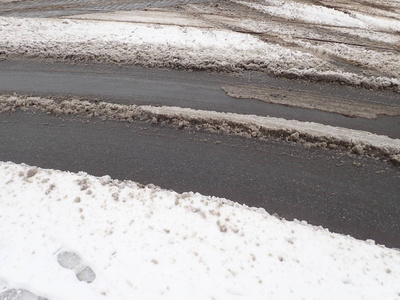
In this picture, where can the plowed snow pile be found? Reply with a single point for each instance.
(75, 236)
(150, 45)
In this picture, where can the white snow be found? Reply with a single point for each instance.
(130, 42)
(293, 10)
(149, 243)
(317, 14)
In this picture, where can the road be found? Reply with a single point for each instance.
(347, 194)
(198, 90)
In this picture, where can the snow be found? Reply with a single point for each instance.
(148, 16)
(312, 130)
(148, 243)
(130, 42)
(317, 14)
(293, 10)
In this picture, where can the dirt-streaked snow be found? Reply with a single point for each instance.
(75, 236)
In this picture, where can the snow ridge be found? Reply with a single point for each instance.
(307, 133)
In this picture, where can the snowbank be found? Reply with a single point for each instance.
(188, 47)
(75, 236)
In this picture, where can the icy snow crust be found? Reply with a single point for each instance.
(171, 46)
(252, 126)
(148, 243)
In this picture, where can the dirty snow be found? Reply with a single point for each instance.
(348, 36)
(75, 236)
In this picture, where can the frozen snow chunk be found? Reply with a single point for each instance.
(68, 260)
(19, 294)
(86, 275)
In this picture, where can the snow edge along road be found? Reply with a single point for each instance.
(308, 134)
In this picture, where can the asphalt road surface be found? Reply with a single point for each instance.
(347, 194)
(198, 90)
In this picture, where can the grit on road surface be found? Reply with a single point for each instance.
(347, 194)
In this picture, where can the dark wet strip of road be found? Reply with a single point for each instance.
(347, 194)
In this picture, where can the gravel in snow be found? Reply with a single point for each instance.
(75, 236)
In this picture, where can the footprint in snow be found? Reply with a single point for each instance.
(73, 261)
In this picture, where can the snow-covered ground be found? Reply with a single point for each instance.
(75, 236)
